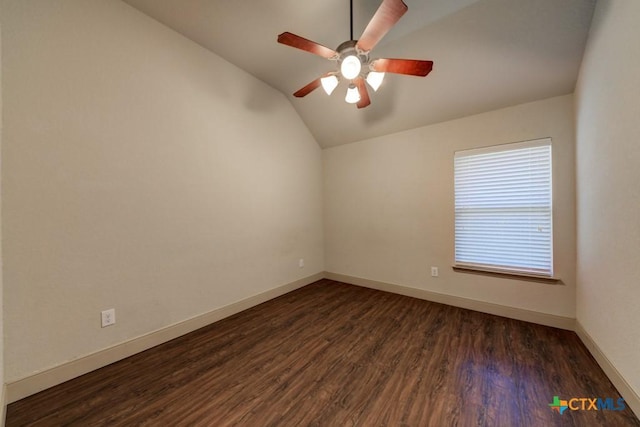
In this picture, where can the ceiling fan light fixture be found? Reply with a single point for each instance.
(329, 83)
(350, 67)
(353, 95)
(374, 78)
(352, 55)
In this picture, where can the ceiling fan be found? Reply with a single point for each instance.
(353, 60)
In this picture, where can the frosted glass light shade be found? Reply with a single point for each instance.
(374, 79)
(350, 67)
(329, 83)
(353, 95)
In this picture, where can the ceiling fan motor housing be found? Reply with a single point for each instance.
(348, 49)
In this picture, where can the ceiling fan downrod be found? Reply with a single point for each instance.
(351, 19)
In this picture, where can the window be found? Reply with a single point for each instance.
(503, 212)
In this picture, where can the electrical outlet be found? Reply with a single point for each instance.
(301, 262)
(434, 271)
(108, 317)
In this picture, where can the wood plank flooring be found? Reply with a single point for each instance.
(332, 354)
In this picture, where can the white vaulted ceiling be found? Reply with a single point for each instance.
(487, 54)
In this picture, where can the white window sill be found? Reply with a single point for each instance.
(506, 274)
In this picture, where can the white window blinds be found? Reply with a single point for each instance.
(503, 211)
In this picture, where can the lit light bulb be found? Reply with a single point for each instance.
(353, 95)
(350, 67)
(374, 78)
(329, 83)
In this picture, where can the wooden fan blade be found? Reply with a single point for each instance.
(307, 45)
(308, 88)
(389, 12)
(364, 95)
(411, 67)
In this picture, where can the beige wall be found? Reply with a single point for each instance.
(608, 191)
(2, 397)
(389, 206)
(141, 173)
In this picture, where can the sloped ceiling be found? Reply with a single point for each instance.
(487, 54)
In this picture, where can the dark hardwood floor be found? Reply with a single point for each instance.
(332, 354)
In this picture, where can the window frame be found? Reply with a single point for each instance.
(505, 268)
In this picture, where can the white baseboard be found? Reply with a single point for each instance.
(59, 374)
(470, 304)
(631, 398)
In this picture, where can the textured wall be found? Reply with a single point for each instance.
(1, 275)
(142, 173)
(608, 194)
(389, 206)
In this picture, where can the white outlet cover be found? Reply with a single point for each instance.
(108, 317)
(434, 271)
